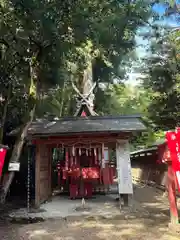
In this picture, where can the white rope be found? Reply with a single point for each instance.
(62, 144)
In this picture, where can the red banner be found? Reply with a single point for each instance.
(90, 173)
(173, 142)
(2, 158)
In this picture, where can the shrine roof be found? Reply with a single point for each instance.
(92, 124)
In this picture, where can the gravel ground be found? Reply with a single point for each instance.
(130, 227)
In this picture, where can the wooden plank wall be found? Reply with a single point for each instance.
(146, 170)
(149, 174)
(43, 174)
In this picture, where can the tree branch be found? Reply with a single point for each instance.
(2, 41)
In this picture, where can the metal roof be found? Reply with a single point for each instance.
(87, 125)
(143, 151)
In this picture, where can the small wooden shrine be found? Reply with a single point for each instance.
(86, 141)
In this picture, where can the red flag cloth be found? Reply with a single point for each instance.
(3, 152)
(90, 173)
(88, 189)
(178, 157)
(64, 173)
(74, 172)
(174, 147)
(59, 178)
(105, 175)
(73, 190)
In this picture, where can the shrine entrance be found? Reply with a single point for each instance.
(83, 165)
(78, 169)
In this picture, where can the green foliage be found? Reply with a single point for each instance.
(110, 28)
(57, 102)
(121, 99)
(49, 35)
(60, 39)
(163, 80)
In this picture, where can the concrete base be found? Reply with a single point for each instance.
(61, 207)
(125, 198)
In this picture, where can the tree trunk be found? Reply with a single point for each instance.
(3, 121)
(5, 109)
(86, 81)
(62, 99)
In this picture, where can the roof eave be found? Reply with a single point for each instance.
(85, 133)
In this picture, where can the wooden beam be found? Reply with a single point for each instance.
(50, 171)
(86, 139)
(84, 135)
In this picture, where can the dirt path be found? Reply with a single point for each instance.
(132, 227)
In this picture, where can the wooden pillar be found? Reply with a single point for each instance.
(172, 194)
(125, 186)
(37, 176)
(50, 170)
(42, 174)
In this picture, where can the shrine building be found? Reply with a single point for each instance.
(86, 142)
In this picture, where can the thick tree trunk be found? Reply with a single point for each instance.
(87, 80)
(3, 121)
(5, 109)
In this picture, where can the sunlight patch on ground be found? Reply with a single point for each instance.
(36, 233)
(97, 225)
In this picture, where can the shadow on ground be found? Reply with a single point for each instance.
(126, 226)
(153, 200)
(75, 228)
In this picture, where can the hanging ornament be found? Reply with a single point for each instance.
(73, 151)
(103, 160)
(95, 156)
(90, 158)
(95, 152)
(75, 156)
(71, 158)
(90, 153)
(67, 160)
(100, 156)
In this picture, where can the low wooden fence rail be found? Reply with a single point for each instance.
(151, 176)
